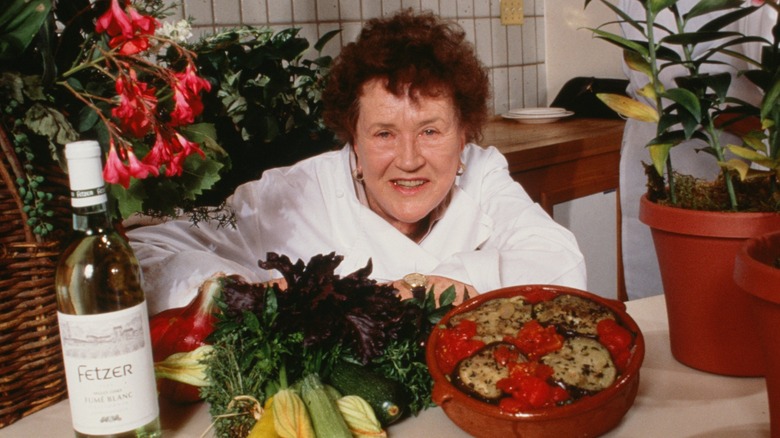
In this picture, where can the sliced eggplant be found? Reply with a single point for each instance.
(478, 374)
(582, 363)
(498, 318)
(572, 314)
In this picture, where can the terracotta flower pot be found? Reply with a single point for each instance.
(710, 323)
(753, 272)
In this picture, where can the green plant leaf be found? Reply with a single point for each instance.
(656, 6)
(129, 200)
(704, 7)
(320, 44)
(694, 38)
(619, 41)
(724, 20)
(770, 101)
(19, 23)
(686, 99)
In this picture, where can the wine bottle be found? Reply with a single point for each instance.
(103, 320)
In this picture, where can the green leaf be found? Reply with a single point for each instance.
(87, 119)
(19, 23)
(320, 44)
(625, 43)
(704, 7)
(686, 99)
(771, 100)
(656, 6)
(724, 20)
(130, 199)
(694, 38)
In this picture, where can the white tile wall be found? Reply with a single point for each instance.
(513, 54)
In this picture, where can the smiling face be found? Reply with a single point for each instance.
(408, 151)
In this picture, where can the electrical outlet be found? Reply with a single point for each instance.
(511, 12)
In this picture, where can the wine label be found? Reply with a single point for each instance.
(109, 370)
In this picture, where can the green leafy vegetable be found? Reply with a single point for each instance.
(268, 339)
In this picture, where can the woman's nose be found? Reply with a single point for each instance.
(409, 157)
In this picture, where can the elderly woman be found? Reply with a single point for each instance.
(409, 190)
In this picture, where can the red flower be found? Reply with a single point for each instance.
(130, 46)
(129, 29)
(190, 80)
(186, 95)
(160, 153)
(188, 147)
(137, 105)
(115, 171)
(115, 22)
(144, 24)
(138, 169)
(186, 106)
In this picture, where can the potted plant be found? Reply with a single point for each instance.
(757, 272)
(709, 320)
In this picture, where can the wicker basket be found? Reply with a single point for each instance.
(31, 369)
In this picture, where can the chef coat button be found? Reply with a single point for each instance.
(340, 193)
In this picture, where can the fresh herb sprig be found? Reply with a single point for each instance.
(267, 339)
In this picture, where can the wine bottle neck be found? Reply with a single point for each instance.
(87, 188)
(93, 219)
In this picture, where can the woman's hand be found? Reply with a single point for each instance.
(439, 285)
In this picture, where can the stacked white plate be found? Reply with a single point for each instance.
(537, 115)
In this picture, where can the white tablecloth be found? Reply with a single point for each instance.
(673, 401)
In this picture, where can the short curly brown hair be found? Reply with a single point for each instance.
(415, 53)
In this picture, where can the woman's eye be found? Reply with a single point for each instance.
(383, 134)
(429, 132)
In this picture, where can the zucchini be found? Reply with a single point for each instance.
(325, 415)
(385, 396)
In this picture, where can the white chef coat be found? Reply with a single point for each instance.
(641, 272)
(491, 235)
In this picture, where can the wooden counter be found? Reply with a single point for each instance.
(561, 161)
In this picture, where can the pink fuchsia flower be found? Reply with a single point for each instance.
(137, 105)
(138, 169)
(189, 147)
(186, 106)
(130, 46)
(129, 30)
(115, 171)
(160, 153)
(190, 80)
(186, 95)
(182, 149)
(115, 22)
(144, 24)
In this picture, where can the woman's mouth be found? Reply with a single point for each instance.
(409, 183)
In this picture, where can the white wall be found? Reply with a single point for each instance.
(571, 49)
(572, 52)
